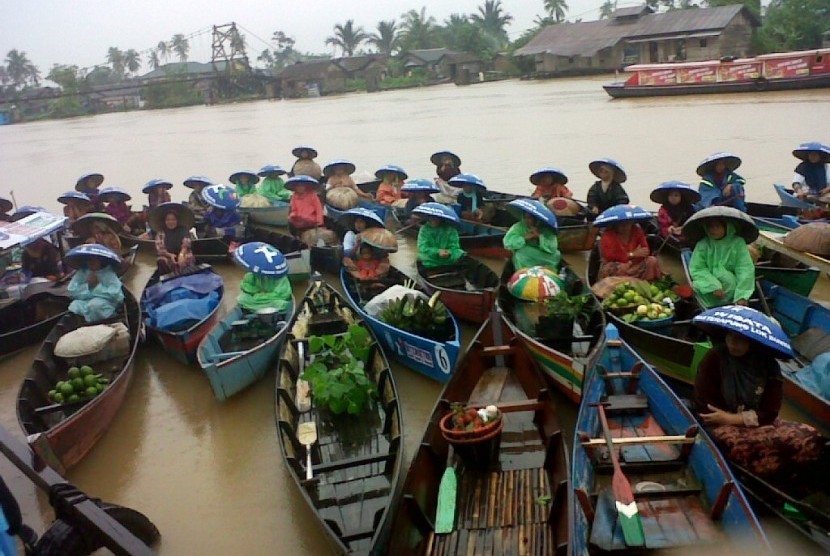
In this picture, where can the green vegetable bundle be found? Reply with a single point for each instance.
(429, 319)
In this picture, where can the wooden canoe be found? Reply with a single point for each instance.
(775, 242)
(275, 215)
(62, 434)
(30, 318)
(232, 363)
(205, 249)
(384, 212)
(788, 198)
(686, 496)
(296, 253)
(468, 287)
(518, 505)
(181, 344)
(563, 362)
(431, 358)
(356, 460)
(572, 238)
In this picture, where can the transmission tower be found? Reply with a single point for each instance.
(229, 47)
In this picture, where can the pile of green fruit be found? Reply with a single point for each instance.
(642, 301)
(83, 384)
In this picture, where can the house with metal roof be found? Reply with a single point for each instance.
(441, 63)
(639, 35)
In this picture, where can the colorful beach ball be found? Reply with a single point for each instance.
(535, 283)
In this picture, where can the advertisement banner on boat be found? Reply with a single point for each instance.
(658, 77)
(740, 72)
(698, 75)
(789, 67)
(28, 229)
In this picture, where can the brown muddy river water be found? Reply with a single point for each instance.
(209, 474)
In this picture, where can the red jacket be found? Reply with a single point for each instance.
(552, 190)
(613, 249)
(306, 210)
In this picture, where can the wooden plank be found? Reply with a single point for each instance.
(626, 402)
(774, 241)
(632, 440)
(489, 386)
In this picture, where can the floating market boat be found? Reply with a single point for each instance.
(274, 215)
(468, 287)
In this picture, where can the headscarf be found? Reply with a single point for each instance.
(680, 212)
(743, 378)
(815, 175)
(173, 238)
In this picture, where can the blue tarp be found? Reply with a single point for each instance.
(816, 376)
(181, 302)
(202, 283)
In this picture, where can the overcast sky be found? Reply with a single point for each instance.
(81, 31)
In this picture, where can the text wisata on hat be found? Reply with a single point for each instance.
(731, 161)
(437, 210)
(660, 195)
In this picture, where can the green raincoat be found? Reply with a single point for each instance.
(274, 189)
(722, 264)
(259, 292)
(242, 190)
(542, 251)
(431, 240)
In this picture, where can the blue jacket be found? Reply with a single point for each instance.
(711, 193)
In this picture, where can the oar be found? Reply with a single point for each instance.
(665, 240)
(627, 512)
(447, 495)
(307, 435)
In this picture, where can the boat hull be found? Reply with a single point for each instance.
(297, 253)
(663, 413)
(229, 375)
(205, 250)
(788, 199)
(182, 345)
(275, 215)
(472, 305)
(620, 90)
(62, 440)
(435, 360)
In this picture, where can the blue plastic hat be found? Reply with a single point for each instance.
(622, 213)
(420, 186)
(391, 168)
(220, 196)
(619, 171)
(436, 158)
(24, 211)
(297, 150)
(371, 217)
(252, 176)
(69, 196)
(329, 168)
(115, 192)
(99, 179)
(272, 169)
(749, 323)
(153, 184)
(557, 174)
(77, 256)
(804, 149)
(262, 259)
(520, 207)
(660, 195)
(193, 181)
(437, 210)
(308, 181)
(472, 179)
(705, 166)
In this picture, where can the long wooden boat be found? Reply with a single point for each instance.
(775, 242)
(30, 318)
(516, 505)
(565, 361)
(780, 269)
(181, 344)
(205, 249)
(275, 215)
(782, 71)
(384, 212)
(297, 253)
(488, 240)
(234, 358)
(356, 460)
(685, 493)
(431, 358)
(468, 287)
(63, 433)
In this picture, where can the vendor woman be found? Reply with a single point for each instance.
(532, 239)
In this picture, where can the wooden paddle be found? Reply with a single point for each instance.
(447, 495)
(628, 514)
(307, 435)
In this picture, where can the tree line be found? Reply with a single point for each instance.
(786, 25)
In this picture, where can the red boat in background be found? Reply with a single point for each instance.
(807, 69)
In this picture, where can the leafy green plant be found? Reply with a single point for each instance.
(337, 376)
(564, 304)
(414, 314)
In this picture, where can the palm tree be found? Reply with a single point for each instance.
(347, 37)
(132, 60)
(491, 19)
(154, 60)
(19, 69)
(116, 59)
(386, 40)
(180, 46)
(163, 50)
(556, 9)
(607, 9)
(418, 31)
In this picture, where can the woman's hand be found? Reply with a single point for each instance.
(719, 294)
(443, 253)
(532, 233)
(720, 417)
(595, 210)
(727, 191)
(741, 302)
(640, 252)
(92, 280)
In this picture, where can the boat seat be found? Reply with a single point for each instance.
(625, 402)
(812, 342)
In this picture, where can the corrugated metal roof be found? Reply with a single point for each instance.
(632, 11)
(305, 70)
(429, 55)
(589, 37)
